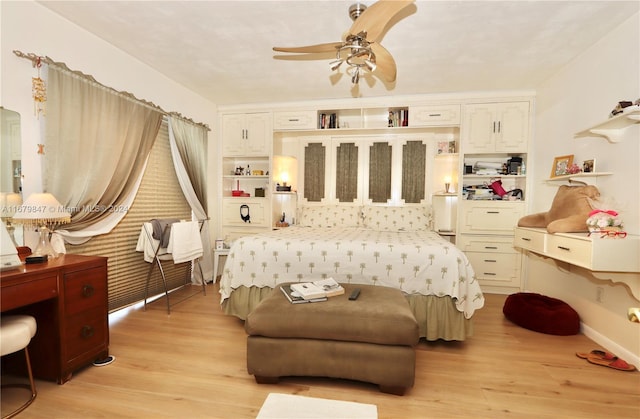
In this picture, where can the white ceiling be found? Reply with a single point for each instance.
(222, 49)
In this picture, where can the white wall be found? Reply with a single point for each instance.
(579, 96)
(31, 28)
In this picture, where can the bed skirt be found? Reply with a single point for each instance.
(438, 317)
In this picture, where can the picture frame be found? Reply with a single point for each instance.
(561, 165)
(589, 166)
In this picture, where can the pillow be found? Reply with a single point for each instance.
(330, 216)
(385, 218)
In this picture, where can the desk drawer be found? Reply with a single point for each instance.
(84, 289)
(528, 239)
(576, 252)
(35, 289)
(84, 333)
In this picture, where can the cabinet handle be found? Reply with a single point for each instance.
(494, 126)
(87, 332)
(294, 119)
(525, 239)
(493, 212)
(564, 248)
(490, 273)
(498, 126)
(491, 247)
(490, 260)
(88, 290)
(435, 114)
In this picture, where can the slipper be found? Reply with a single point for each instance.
(617, 363)
(596, 353)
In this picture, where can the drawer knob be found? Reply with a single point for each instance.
(87, 332)
(88, 290)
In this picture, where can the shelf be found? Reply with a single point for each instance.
(245, 177)
(613, 128)
(470, 176)
(569, 178)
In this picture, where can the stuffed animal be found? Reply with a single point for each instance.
(569, 210)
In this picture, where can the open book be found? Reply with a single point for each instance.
(295, 298)
(316, 289)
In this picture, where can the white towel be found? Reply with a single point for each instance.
(148, 245)
(185, 243)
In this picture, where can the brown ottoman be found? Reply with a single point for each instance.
(370, 339)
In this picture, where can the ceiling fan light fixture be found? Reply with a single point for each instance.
(370, 64)
(355, 78)
(334, 65)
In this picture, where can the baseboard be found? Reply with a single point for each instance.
(610, 345)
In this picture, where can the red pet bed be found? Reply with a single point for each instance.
(542, 314)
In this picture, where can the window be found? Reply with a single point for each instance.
(159, 196)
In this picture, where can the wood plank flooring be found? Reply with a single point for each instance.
(191, 364)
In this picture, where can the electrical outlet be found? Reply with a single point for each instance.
(600, 294)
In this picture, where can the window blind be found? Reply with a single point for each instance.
(159, 196)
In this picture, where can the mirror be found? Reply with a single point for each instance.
(10, 169)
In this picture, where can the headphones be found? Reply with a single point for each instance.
(246, 218)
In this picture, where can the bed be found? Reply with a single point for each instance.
(382, 246)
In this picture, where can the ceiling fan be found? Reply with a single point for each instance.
(360, 47)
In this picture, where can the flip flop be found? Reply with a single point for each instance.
(617, 363)
(596, 353)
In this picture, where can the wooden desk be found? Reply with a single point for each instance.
(68, 298)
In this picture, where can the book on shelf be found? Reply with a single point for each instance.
(327, 287)
(295, 298)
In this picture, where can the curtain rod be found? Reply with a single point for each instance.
(38, 60)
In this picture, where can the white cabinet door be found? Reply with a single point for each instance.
(496, 127)
(259, 135)
(479, 128)
(233, 135)
(513, 127)
(246, 134)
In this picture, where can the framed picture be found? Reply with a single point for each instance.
(589, 166)
(561, 165)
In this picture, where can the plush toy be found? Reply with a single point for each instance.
(569, 210)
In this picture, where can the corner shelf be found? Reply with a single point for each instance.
(613, 128)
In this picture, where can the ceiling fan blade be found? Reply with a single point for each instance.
(375, 18)
(310, 49)
(385, 64)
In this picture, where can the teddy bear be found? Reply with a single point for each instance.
(569, 210)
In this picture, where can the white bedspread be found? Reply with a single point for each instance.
(418, 262)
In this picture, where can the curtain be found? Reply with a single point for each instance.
(189, 150)
(96, 146)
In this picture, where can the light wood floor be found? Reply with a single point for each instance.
(191, 364)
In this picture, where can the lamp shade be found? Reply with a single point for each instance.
(285, 169)
(10, 202)
(41, 209)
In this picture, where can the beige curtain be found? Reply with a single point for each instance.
(189, 152)
(97, 142)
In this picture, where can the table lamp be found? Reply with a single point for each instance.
(10, 202)
(41, 211)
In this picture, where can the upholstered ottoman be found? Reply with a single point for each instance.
(370, 339)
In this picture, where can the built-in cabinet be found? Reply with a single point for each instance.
(400, 154)
(246, 163)
(493, 136)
